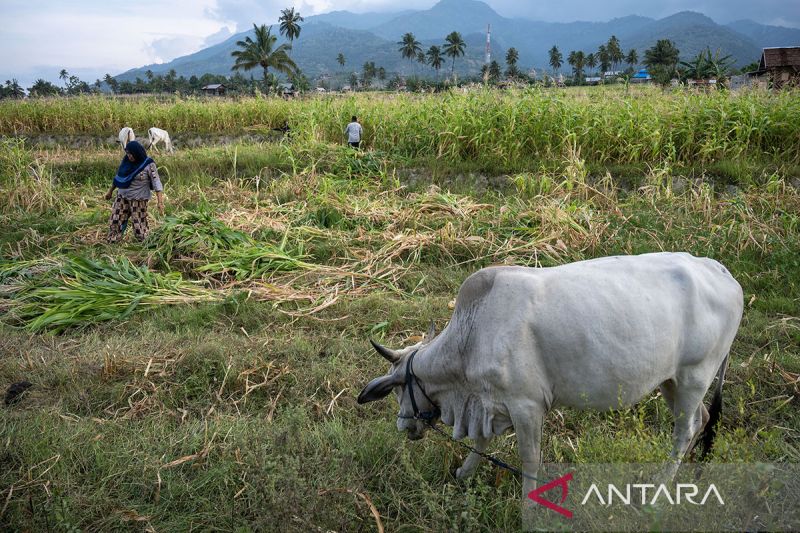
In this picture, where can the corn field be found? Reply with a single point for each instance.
(606, 125)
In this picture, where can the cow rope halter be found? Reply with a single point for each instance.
(430, 417)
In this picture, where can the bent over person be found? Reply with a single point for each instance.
(137, 175)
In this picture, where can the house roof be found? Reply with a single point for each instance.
(788, 56)
(214, 87)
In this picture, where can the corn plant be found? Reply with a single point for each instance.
(256, 261)
(194, 234)
(83, 291)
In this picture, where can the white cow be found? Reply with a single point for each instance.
(156, 136)
(125, 136)
(597, 334)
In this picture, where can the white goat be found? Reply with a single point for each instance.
(156, 136)
(125, 136)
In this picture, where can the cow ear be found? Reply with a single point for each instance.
(377, 388)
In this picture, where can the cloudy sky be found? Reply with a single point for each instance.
(92, 37)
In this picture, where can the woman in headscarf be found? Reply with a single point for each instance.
(137, 175)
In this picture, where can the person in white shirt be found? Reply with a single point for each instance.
(353, 132)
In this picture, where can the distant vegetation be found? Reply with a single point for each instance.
(262, 51)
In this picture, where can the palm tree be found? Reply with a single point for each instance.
(579, 63)
(13, 89)
(604, 59)
(112, 83)
(63, 76)
(614, 51)
(368, 72)
(435, 59)
(556, 59)
(340, 59)
(512, 56)
(262, 52)
(662, 59)
(494, 70)
(409, 46)
(454, 48)
(591, 61)
(289, 23)
(632, 58)
(43, 88)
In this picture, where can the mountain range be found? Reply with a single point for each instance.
(374, 36)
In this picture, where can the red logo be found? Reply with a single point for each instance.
(535, 495)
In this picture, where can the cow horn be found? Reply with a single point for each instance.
(387, 353)
(431, 332)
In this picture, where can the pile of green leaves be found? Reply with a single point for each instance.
(257, 261)
(79, 291)
(194, 234)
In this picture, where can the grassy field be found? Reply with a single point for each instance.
(206, 379)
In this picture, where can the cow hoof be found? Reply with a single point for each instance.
(462, 473)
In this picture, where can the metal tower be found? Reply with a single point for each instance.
(488, 44)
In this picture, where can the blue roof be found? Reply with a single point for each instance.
(642, 75)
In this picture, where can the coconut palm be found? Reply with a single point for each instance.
(512, 56)
(614, 51)
(112, 83)
(556, 58)
(632, 58)
(13, 89)
(661, 60)
(262, 52)
(43, 88)
(591, 61)
(409, 46)
(289, 23)
(454, 48)
(603, 59)
(580, 62)
(340, 59)
(435, 59)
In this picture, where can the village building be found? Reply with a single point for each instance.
(287, 90)
(779, 67)
(642, 76)
(214, 89)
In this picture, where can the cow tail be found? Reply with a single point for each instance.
(714, 412)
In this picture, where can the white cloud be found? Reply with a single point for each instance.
(83, 36)
(245, 13)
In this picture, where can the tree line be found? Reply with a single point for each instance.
(262, 50)
(662, 61)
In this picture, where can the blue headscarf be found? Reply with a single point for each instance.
(129, 169)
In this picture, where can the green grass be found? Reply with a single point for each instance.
(237, 412)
